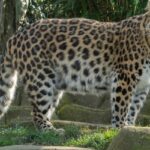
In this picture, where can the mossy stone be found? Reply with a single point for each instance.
(132, 138)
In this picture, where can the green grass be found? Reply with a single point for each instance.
(74, 136)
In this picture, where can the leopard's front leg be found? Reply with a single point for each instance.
(123, 89)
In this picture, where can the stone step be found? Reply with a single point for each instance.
(16, 113)
(64, 123)
(33, 147)
(80, 113)
(86, 100)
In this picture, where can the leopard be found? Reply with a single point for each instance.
(78, 55)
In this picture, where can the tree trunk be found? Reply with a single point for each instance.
(12, 13)
(7, 22)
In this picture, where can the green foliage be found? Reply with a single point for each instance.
(22, 135)
(72, 131)
(104, 10)
(97, 140)
(47, 138)
(13, 134)
(143, 120)
(127, 8)
(74, 136)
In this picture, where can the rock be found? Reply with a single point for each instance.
(32, 147)
(132, 138)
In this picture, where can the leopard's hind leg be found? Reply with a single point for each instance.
(136, 104)
(121, 98)
(44, 97)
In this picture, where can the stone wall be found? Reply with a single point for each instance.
(79, 108)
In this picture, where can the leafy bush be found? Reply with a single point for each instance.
(104, 10)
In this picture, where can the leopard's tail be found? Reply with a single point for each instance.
(8, 82)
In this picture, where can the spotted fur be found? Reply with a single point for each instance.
(53, 56)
